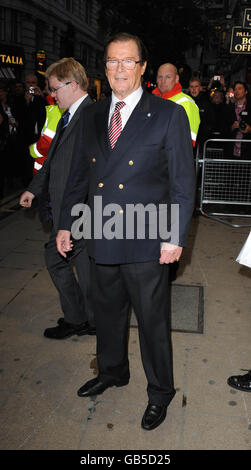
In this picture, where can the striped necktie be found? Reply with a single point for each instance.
(65, 118)
(115, 127)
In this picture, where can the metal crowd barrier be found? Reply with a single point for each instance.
(223, 182)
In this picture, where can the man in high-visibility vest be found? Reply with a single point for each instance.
(169, 88)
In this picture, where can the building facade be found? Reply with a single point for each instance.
(212, 55)
(36, 33)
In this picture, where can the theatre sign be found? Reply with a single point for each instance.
(11, 61)
(241, 36)
(241, 41)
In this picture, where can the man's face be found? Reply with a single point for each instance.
(194, 89)
(239, 91)
(3, 93)
(31, 80)
(122, 81)
(166, 78)
(63, 96)
(19, 89)
(217, 97)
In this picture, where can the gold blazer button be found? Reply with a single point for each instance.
(100, 185)
(131, 162)
(94, 159)
(121, 186)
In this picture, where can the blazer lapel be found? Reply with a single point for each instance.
(135, 125)
(101, 119)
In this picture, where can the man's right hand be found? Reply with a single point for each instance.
(64, 242)
(26, 199)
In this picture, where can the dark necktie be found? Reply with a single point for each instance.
(65, 118)
(115, 127)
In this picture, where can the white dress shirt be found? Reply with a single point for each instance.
(73, 108)
(130, 101)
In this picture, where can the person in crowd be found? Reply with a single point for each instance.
(217, 81)
(4, 132)
(220, 128)
(169, 87)
(240, 120)
(138, 151)
(39, 150)
(31, 110)
(68, 84)
(229, 96)
(10, 153)
(206, 111)
(18, 90)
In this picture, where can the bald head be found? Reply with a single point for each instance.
(167, 77)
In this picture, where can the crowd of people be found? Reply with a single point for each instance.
(22, 116)
(225, 113)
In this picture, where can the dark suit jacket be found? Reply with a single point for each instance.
(54, 173)
(152, 162)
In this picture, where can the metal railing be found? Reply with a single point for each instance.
(223, 183)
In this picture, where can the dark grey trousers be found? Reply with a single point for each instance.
(144, 286)
(73, 290)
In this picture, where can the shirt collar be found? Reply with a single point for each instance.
(73, 108)
(131, 100)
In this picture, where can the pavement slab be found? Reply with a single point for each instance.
(39, 378)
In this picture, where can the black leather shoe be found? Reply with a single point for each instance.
(96, 387)
(65, 330)
(91, 329)
(153, 416)
(241, 382)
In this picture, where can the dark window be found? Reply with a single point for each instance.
(87, 6)
(40, 29)
(3, 24)
(55, 38)
(85, 54)
(14, 26)
(68, 5)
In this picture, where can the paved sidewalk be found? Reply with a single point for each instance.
(39, 406)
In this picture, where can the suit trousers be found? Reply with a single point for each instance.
(144, 286)
(73, 291)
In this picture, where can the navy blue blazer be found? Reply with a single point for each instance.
(151, 163)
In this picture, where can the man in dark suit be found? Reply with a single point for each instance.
(148, 164)
(68, 83)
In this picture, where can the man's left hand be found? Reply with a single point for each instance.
(170, 253)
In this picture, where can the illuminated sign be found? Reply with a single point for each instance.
(240, 41)
(11, 56)
(13, 60)
(41, 61)
(247, 18)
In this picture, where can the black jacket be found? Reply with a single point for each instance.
(206, 118)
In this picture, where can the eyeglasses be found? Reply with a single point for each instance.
(53, 90)
(128, 64)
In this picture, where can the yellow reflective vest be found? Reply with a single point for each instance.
(39, 149)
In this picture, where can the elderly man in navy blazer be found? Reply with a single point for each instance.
(134, 150)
